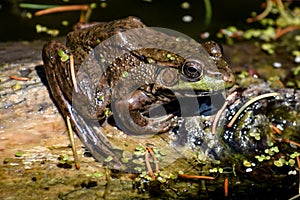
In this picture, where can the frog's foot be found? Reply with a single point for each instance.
(151, 125)
(160, 124)
(133, 122)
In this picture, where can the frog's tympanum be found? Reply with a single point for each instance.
(136, 84)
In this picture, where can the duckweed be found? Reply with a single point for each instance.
(294, 155)
(16, 87)
(262, 157)
(108, 159)
(246, 163)
(171, 58)
(280, 162)
(185, 5)
(139, 169)
(97, 174)
(161, 179)
(272, 150)
(255, 135)
(6, 160)
(19, 154)
(124, 160)
(65, 23)
(125, 74)
(216, 169)
(268, 47)
(139, 151)
(180, 172)
(291, 162)
(213, 170)
(63, 56)
(139, 161)
(149, 60)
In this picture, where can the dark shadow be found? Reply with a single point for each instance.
(40, 70)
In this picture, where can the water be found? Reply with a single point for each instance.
(160, 13)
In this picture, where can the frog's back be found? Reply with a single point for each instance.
(91, 36)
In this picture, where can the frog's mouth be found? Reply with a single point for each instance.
(187, 104)
(195, 93)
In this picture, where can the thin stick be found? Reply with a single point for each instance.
(226, 187)
(248, 103)
(295, 197)
(36, 6)
(196, 176)
(291, 142)
(71, 135)
(73, 73)
(298, 163)
(62, 9)
(276, 130)
(149, 166)
(263, 14)
(149, 149)
(287, 141)
(281, 31)
(219, 113)
(208, 11)
(19, 78)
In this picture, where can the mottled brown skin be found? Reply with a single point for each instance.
(81, 42)
(216, 55)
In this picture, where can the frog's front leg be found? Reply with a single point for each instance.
(129, 118)
(55, 77)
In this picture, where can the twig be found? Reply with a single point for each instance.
(281, 31)
(298, 163)
(148, 165)
(149, 149)
(226, 187)
(287, 141)
(62, 9)
(219, 113)
(196, 176)
(208, 11)
(36, 6)
(248, 103)
(291, 142)
(295, 197)
(71, 135)
(19, 78)
(263, 14)
(276, 130)
(73, 73)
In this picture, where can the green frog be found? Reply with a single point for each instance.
(139, 80)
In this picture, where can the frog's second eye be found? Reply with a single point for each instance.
(192, 70)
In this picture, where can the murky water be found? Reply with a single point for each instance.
(158, 13)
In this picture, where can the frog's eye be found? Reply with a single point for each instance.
(192, 70)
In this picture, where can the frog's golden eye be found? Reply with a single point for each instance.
(192, 70)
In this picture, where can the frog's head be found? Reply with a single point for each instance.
(194, 77)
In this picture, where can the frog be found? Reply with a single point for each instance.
(162, 74)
